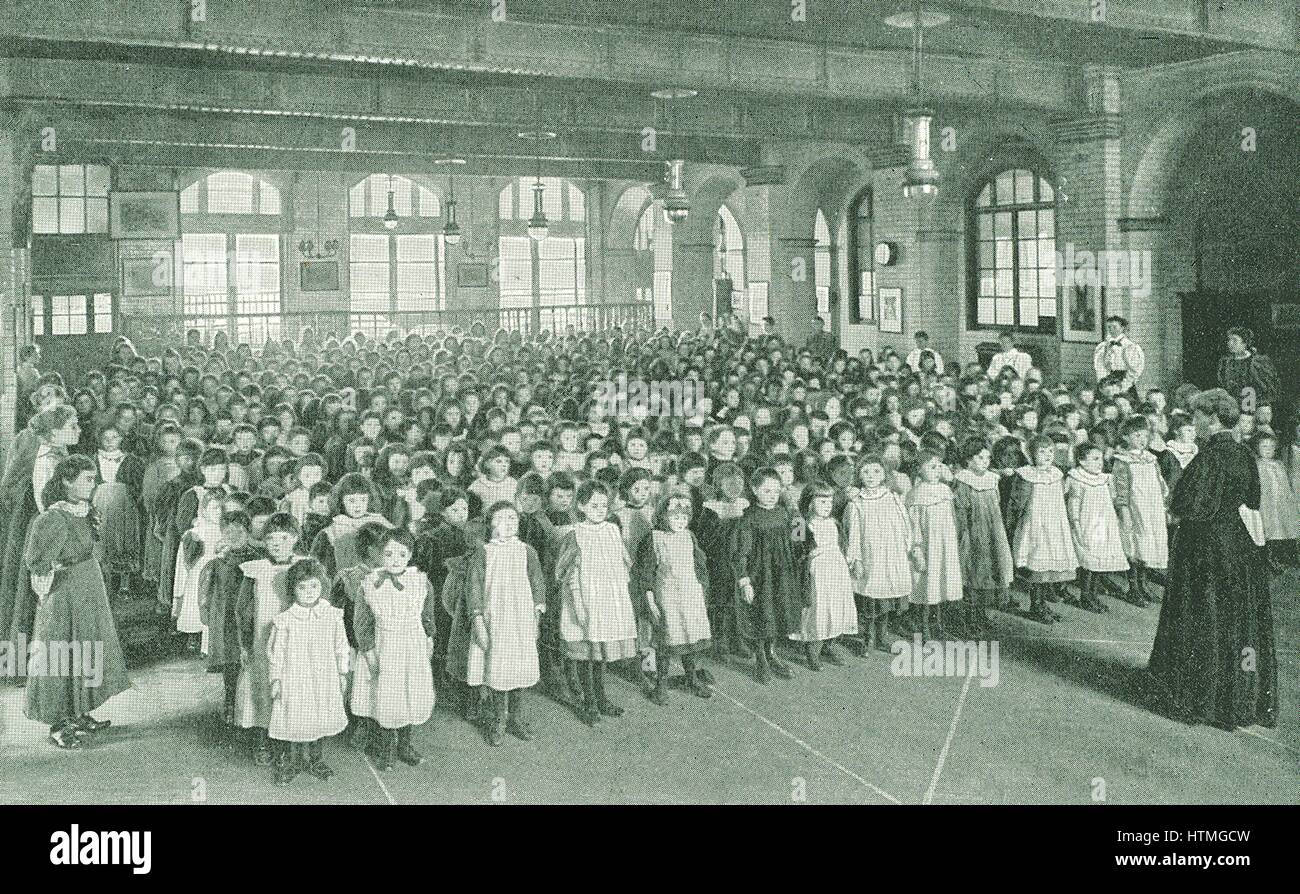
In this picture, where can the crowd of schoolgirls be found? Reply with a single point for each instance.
(344, 529)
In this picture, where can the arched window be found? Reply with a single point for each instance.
(1012, 253)
(862, 280)
(397, 277)
(230, 256)
(549, 276)
(822, 262)
(728, 261)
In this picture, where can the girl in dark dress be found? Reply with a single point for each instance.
(73, 609)
(1213, 658)
(767, 575)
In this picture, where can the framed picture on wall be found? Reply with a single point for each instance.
(471, 275)
(318, 276)
(147, 275)
(1085, 311)
(144, 215)
(891, 309)
(866, 297)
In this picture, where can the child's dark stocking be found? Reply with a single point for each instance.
(762, 673)
(589, 712)
(494, 719)
(518, 725)
(829, 655)
(778, 667)
(603, 704)
(663, 666)
(229, 685)
(261, 747)
(406, 752)
(316, 765)
(286, 762)
(813, 652)
(381, 748)
(693, 681)
(1088, 592)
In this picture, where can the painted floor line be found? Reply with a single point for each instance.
(1070, 639)
(806, 747)
(952, 731)
(379, 779)
(1282, 745)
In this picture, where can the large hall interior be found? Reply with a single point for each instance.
(870, 169)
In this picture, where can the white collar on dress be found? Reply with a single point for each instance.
(80, 510)
(987, 481)
(1035, 475)
(1082, 475)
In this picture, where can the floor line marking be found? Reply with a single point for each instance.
(1282, 745)
(375, 773)
(952, 731)
(1070, 639)
(806, 747)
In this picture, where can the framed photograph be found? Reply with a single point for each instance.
(318, 276)
(891, 309)
(146, 276)
(866, 297)
(1085, 312)
(144, 215)
(471, 275)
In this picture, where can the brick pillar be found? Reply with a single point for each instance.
(692, 282)
(1090, 187)
(620, 275)
(15, 324)
(793, 302)
(1162, 342)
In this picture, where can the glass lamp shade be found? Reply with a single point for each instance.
(538, 226)
(451, 230)
(390, 216)
(922, 178)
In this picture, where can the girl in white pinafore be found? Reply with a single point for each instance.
(505, 596)
(934, 525)
(832, 613)
(880, 548)
(198, 547)
(1140, 501)
(394, 623)
(598, 624)
(307, 662)
(1089, 500)
(1041, 540)
(259, 602)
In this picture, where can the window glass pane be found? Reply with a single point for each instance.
(369, 274)
(230, 192)
(1028, 253)
(401, 197)
(268, 198)
(1047, 222)
(72, 180)
(1047, 307)
(1045, 191)
(97, 177)
(1025, 224)
(45, 180)
(38, 315)
(516, 267)
(415, 248)
(1006, 311)
(369, 248)
(577, 204)
(1028, 283)
(429, 203)
(72, 215)
(45, 215)
(1047, 281)
(1005, 193)
(103, 308)
(190, 198)
(985, 196)
(506, 203)
(986, 255)
(984, 310)
(1047, 252)
(1002, 225)
(357, 200)
(1004, 283)
(987, 282)
(986, 226)
(1024, 187)
(1003, 253)
(96, 215)
(76, 314)
(1029, 312)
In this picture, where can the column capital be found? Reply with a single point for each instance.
(1142, 224)
(1087, 129)
(891, 155)
(796, 241)
(764, 175)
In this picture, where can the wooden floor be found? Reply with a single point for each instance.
(1060, 727)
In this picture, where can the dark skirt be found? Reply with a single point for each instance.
(1213, 660)
(76, 611)
(17, 601)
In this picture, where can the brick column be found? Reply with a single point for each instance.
(15, 325)
(1089, 202)
(692, 283)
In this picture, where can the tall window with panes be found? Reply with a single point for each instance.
(68, 199)
(397, 278)
(550, 275)
(231, 257)
(822, 262)
(652, 244)
(1012, 251)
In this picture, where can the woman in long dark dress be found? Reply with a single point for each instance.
(73, 609)
(54, 431)
(1213, 659)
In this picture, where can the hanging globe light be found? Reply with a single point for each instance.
(677, 206)
(538, 226)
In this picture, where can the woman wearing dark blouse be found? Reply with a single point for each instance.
(1248, 375)
(1213, 659)
(73, 609)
